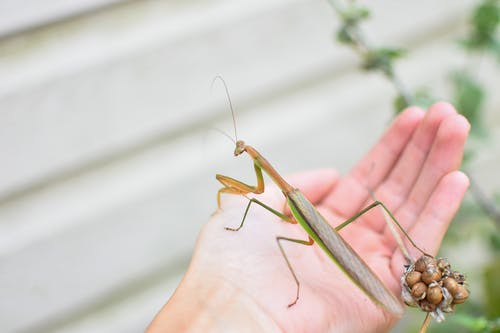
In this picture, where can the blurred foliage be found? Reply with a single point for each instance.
(479, 216)
(382, 59)
(492, 301)
(422, 97)
(466, 323)
(469, 98)
(483, 32)
(351, 17)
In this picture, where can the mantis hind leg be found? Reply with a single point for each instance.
(391, 216)
(308, 242)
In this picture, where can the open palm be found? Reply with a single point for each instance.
(412, 169)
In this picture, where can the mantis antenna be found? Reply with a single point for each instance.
(230, 103)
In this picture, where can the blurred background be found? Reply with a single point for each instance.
(108, 157)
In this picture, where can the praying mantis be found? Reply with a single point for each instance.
(318, 229)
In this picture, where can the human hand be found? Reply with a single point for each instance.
(242, 279)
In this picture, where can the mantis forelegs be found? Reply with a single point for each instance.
(234, 186)
(272, 210)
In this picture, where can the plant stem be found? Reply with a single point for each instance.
(363, 48)
(425, 324)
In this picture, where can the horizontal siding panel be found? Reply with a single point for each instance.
(132, 315)
(19, 15)
(85, 95)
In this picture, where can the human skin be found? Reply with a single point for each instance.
(239, 282)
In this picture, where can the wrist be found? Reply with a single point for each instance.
(210, 306)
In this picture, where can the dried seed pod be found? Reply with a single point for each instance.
(422, 263)
(412, 278)
(427, 306)
(449, 308)
(446, 273)
(434, 294)
(430, 261)
(407, 297)
(460, 295)
(446, 304)
(418, 291)
(443, 264)
(459, 277)
(433, 286)
(451, 284)
(431, 274)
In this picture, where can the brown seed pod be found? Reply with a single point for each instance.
(407, 297)
(427, 306)
(443, 264)
(412, 278)
(418, 291)
(422, 263)
(434, 294)
(430, 261)
(459, 277)
(461, 295)
(431, 274)
(451, 284)
(433, 286)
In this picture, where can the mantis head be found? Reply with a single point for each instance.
(240, 147)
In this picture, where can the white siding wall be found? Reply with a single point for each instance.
(105, 140)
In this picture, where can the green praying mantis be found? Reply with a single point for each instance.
(318, 229)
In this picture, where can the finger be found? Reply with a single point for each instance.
(436, 216)
(423, 152)
(314, 184)
(445, 156)
(351, 192)
(401, 179)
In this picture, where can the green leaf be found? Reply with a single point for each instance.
(468, 99)
(382, 59)
(486, 18)
(344, 36)
(422, 98)
(495, 48)
(355, 14)
(495, 242)
(400, 104)
(478, 324)
(484, 23)
(491, 285)
(351, 17)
